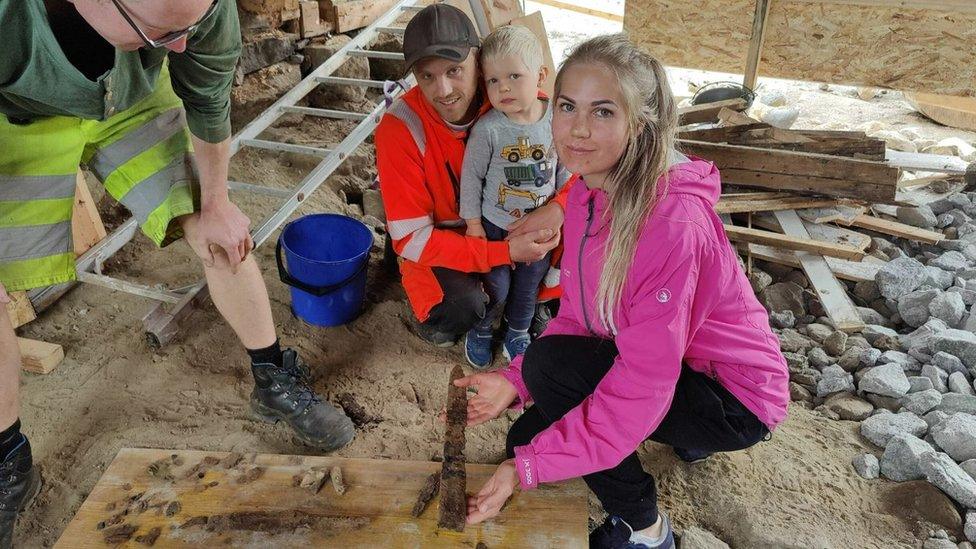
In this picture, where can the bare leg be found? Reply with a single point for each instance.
(242, 299)
(9, 369)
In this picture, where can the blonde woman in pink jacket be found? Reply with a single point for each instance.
(659, 334)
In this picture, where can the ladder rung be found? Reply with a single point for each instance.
(286, 147)
(391, 30)
(377, 54)
(326, 113)
(259, 189)
(349, 81)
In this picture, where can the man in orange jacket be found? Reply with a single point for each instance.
(419, 148)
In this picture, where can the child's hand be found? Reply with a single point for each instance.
(475, 230)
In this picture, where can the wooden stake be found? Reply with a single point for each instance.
(454, 505)
(756, 44)
(86, 225)
(20, 309)
(427, 493)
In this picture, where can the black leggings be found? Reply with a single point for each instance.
(561, 371)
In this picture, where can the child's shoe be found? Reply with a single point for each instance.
(477, 348)
(515, 343)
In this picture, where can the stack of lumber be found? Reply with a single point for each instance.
(803, 198)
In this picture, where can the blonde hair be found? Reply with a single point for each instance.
(513, 40)
(632, 184)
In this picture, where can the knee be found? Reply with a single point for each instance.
(539, 366)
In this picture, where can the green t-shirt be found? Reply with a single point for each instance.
(36, 78)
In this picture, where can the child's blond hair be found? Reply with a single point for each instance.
(513, 40)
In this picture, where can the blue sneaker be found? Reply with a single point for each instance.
(477, 348)
(515, 344)
(616, 534)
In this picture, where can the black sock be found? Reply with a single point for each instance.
(267, 355)
(10, 438)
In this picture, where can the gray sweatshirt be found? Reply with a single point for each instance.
(509, 169)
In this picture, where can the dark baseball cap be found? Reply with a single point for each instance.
(439, 30)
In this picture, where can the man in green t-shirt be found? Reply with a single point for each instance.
(137, 91)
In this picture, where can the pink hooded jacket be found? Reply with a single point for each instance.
(685, 299)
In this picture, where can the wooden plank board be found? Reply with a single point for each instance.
(502, 12)
(798, 171)
(823, 232)
(87, 228)
(770, 204)
(895, 228)
(756, 236)
(20, 309)
(708, 112)
(581, 9)
(840, 309)
(39, 357)
(355, 14)
(956, 112)
(901, 44)
(926, 162)
(856, 271)
(214, 499)
(756, 41)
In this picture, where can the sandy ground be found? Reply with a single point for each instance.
(112, 391)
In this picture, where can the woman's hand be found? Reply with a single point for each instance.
(494, 394)
(549, 217)
(494, 493)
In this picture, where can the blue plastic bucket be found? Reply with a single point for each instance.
(327, 255)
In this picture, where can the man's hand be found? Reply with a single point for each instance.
(550, 217)
(494, 493)
(533, 246)
(219, 234)
(494, 394)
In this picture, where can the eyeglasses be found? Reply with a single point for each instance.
(169, 37)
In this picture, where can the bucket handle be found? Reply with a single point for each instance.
(317, 291)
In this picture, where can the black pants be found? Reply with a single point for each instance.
(561, 371)
(463, 306)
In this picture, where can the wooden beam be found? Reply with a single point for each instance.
(756, 236)
(39, 357)
(708, 112)
(580, 9)
(953, 6)
(894, 228)
(359, 13)
(856, 271)
(832, 294)
(824, 232)
(764, 205)
(20, 309)
(797, 171)
(87, 228)
(756, 43)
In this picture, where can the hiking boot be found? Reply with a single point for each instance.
(19, 483)
(437, 338)
(477, 348)
(283, 394)
(515, 344)
(691, 456)
(540, 320)
(616, 534)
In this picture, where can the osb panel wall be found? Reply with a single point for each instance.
(912, 49)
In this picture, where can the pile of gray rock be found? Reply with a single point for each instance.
(910, 376)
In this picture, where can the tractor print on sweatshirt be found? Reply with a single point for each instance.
(522, 178)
